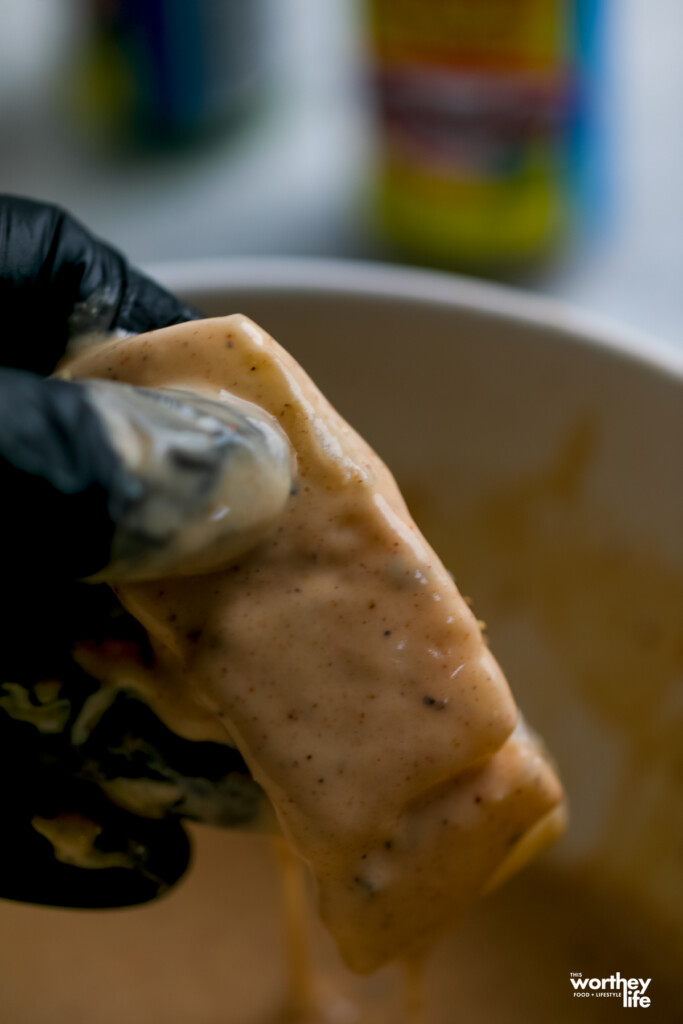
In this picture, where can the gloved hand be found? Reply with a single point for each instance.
(80, 499)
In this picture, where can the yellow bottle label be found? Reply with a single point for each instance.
(504, 32)
(473, 99)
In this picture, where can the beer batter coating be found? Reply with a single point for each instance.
(340, 658)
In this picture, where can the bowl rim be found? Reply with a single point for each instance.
(495, 302)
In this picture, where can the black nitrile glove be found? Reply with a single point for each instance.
(72, 507)
(57, 281)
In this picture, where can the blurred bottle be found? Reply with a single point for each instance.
(487, 117)
(157, 72)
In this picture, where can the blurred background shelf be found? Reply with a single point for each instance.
(293, 180)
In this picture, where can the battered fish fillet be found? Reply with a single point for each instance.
(339, 657)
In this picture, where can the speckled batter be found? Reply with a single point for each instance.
(343, 662)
